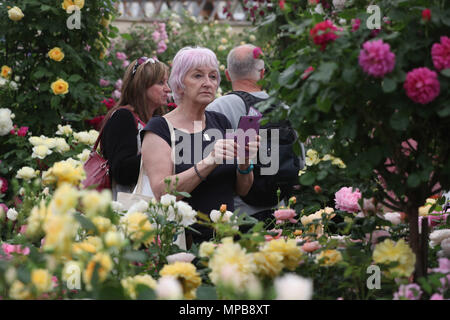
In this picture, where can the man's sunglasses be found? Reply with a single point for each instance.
(142, 60)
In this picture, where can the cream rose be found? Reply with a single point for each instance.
(15, 14)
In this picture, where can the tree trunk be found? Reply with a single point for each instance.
(415, 243)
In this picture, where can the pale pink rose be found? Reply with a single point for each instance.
(116, 94)
(155, 36)
(121, 56)
(408, 146)
(347, 200)
(409, 291)
(125, 63)
(104, 83)
(109, 63)
(118, 84)
(437, 296)
(444, 266)
(181, 256)
(277, 236)
(311, 246)
(285, 214)
(162, 47)
(23, 229)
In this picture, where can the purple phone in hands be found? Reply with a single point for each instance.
(248, 129)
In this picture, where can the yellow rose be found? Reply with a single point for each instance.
(329, 257)
(56, 54)
(42, 280)
(6, 72)
(60, 87)
(15, 14)
(105, 264)
(68, 3)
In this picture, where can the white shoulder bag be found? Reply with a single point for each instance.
(143, 190)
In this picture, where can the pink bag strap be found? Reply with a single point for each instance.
(136, 119)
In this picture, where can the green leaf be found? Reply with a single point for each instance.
(137, 256)
(308, 178)
(39, 74)
(325, 72)
(126, 36)
(75, 78)
(349, 75)
(388, 85)
(444, 112)
(72, 117)
(54, 102)
(85, 222)
(287, 75)
(206, 293)
(446, 72)
(399, 121)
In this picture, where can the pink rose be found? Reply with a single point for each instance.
(311, 246)
(307, 72)
(125, 63)
(285, 214)
(437, 296)
(347, 200)
(118, 84)
(161, 47)
(376, 58)
(268, 237)
(323, 33)
(257, 52)
(440, 53)
(355, 24)
(422, 85)
(23, 229)
(409, 292)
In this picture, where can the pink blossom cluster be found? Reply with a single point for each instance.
(14, 248)
(347, 200)
(422, 85)
(123, 57)
(376, 58)
(440, 53)
(160, 37)
(410, 291)
(356, 24)
(324, 33)
(3, 186)
(22, 132)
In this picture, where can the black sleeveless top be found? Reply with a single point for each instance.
(190, 148)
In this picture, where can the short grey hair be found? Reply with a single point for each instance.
(244, 65)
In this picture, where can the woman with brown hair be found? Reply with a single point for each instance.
(144, 92)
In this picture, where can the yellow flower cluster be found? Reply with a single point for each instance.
(89, 245)
(130, 284)
(186, 274)
(268, 264)
(329, 257)
(312, 158)
(66, 171)
(388, 251)
(60, 87)
(424, 210)
(317, 229)
(56, 54)
(37, 218)
(287, 249)
(137, 227)
(86, 137)
(94, 203)
(231, 254)
(105, 265)
(6, 72)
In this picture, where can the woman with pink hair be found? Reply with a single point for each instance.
(192, 139)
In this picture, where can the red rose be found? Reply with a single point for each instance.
(426, 15)
(323, 33)
(3, 185)
(317, 189)
(95, 122)
(22, 132)
(281, 3)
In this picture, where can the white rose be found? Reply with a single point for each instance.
(319, 9)
(13, 85)
(61, 145)
(36, 141)
(252, 38)
(84, 156)
(293, 287)
(437, 236)
(445, 245)
(2, 81)
(216, 215)
(6, 124)
(41, 151)
(181, 256)
(186, 213)
(393, 217)
(168, 288)
(82, 137)
(64, 130)
(12, 214)
(168, 199)
(339, 4)
(117, 206)
(49, 142)
(140, 206)
(26, 173)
